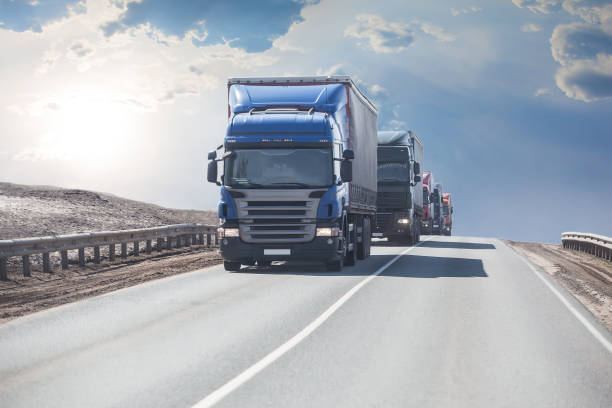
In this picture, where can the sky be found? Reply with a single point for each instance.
(511, 98)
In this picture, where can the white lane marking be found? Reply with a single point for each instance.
(250, 372)
(600, 337)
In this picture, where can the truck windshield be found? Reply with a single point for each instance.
(393, 171)
(445, 210)
(425, 196)
(279, 168)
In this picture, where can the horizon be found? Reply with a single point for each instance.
(512, 100)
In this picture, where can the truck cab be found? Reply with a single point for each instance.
(447, 213)
(427, 220)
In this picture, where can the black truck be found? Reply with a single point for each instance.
(400, 189)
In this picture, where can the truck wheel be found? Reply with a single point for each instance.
(231, 266)
(335, 266)
(264, 263)
(351, 256)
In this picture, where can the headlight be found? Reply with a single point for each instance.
(403, 221)
(228, 232)
(328, 232)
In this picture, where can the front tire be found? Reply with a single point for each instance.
(231, 266)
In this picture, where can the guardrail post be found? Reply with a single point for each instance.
(160, 244)
(46, 263)
(111, 252)
(201, 238)
(149, 246)
(81, 257)
(178, 241)
(194, 239)
(168, 242)
(208, 239)
(97, 254)
(64, 255)
(216, 239)
(3, 273)
(124, 249)
(136, 248)
(26, 265)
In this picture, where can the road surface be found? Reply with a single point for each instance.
(454, 322)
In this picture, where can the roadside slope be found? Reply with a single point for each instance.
(30, 211)
(586, 277)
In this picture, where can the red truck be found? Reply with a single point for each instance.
(447, 213)
(428, 210)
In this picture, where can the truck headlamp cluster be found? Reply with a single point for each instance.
(404, 221)
(228, 232)
(328, 232)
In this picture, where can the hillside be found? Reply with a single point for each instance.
(27, 211)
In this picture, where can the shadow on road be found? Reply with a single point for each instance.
(412, 266)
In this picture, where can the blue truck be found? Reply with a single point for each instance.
(299, 172)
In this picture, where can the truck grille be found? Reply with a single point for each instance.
(277, 216)
(391, 199)
(384, 220)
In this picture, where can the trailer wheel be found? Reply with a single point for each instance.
(231, 266)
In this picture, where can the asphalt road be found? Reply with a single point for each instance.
(455, 322)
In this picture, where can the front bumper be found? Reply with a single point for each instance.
(318, 250)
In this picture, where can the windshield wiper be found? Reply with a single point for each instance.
(247, 184)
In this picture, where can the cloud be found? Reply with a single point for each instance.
(583, 49)
(34, 15)
(584, 52)
(469, 10)
(387, 37)
(380, 35)
(587, 80)
(539, 6)
(377, 89)
(530, 28)
(253, 27)
(81, 49)
(543, 91)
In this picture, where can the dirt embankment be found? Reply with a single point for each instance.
(33, 211)
(586, 277)
(27, 211)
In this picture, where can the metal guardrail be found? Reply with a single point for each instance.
(181, 234)
(598, 245)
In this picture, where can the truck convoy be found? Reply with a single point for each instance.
(427, 221)
(299, 172)
(447, 213)
(400, 198)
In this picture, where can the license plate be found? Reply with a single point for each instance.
(277, 252)
(377, 234)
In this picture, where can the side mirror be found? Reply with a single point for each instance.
(417, 179)
(212, 171)
(212, 155)
(348, 155)
(452, 210)
(417, 169)
(346, 171)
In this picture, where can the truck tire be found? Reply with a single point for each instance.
(351, 256)
(231, 266)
